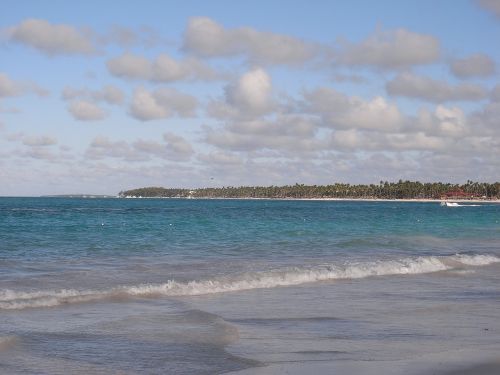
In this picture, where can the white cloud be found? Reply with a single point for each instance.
(166, 69)
(51, 39)
(492, 6)
(101, 147)
(130, 66)
(415, 142)
(9, 87)
(145, 106)
(485, 120)
(207, 38)
(86, 111)
(262, 136)
(351, 78)
(327, 122)
(425, 88)
(122, 36)
(163, 69)
(447, 122)
(149, 147)
(178, 145)
(109, 94)
(351, 139)
(220, 158)
(8, 110)
(376, 114)
(357, 140)
(495, 93)
(287, 133)
(41, 153)
(161, 103)
(252, 92)
(478, 65)
(39, 141)
(127, 37)
(451, 121)
(173, 147)
(250, 96)
(392, 49)
(343, 112)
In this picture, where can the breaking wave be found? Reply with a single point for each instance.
(11, 299)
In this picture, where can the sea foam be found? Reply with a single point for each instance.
(12, 299)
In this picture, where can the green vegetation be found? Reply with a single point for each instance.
(383, 190)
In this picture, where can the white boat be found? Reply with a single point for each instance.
(449, 204)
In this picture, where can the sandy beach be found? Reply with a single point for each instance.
(419, 200)
(489, 368)
(475, 201)
(458, 362)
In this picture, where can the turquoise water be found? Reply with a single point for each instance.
(64, 228)
(211, 286)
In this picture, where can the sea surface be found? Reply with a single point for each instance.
(173, 286)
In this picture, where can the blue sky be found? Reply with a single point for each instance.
(99, 97)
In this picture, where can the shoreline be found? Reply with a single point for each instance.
(485, 368)
(414, 366)
(417, 200)
(465, 361)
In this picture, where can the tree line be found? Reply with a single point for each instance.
(382, 190)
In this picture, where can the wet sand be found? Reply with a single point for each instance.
(491, 368)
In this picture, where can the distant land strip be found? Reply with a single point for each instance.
(77, 196)
(383, 190)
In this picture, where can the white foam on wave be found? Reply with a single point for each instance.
(10, 299)
(454, 204)
(473, 260)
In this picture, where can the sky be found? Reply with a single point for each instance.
(98, 97)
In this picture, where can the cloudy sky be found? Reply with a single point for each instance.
(98, 97)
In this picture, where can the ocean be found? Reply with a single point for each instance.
(174, 286)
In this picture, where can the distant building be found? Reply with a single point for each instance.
(457, 194)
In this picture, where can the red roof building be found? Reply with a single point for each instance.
(457, 194)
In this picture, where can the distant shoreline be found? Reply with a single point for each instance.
(418, 200)
(403, 191)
